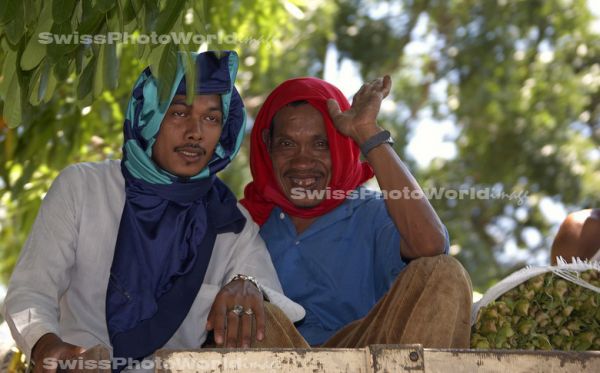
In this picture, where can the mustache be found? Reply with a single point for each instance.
(191, 147)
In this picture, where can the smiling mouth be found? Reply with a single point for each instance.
(304, 182)
(191, 153)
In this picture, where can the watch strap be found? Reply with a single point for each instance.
(383, 137)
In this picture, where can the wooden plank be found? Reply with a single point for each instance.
(397, 358)
(262, 361)
(375, 359)
(513, 361)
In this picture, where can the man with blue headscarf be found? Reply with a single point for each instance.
(153, 251)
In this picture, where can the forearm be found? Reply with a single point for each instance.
(422, 231)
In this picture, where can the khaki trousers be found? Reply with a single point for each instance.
(429, 303)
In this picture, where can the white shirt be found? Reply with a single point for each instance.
(59, 283)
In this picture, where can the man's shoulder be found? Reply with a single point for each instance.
(107, 168)
(575, 222)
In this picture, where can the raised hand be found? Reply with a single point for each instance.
(360, 121)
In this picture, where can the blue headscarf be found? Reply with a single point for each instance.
(169, 224)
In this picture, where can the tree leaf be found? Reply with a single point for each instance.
(167, 71)
(32, 13)
(62, 10)
(151, 12)
(105, 5)
(35, 51)
(8, 9)
(51, 86)
(190, 75)
(15, 29)
(39, 84)
(12, 103)
(8, 70)
(33, 54)
(62, 68)
(99, 72)
(86, 79)
(64, 41)
(34, 86)
(91, 18)
(169, 15)
(111, 67)
(129, 9)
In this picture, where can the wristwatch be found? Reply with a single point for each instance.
(383, 137)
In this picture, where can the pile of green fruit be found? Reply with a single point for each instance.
(544, 313)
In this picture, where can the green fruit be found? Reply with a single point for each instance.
(525, 326)
(522, 307)
(536, 283)
(544, 313)
(567, 311)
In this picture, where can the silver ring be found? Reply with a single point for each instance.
(237, 310)
(249, 312)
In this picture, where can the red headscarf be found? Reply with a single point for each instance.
(347, 171)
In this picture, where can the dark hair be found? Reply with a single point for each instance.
(292, 104)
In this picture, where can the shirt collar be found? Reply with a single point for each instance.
(343, 211)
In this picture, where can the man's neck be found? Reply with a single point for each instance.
(301, 224)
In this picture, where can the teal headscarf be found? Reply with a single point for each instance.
(144, 115)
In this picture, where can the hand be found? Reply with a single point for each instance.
(360, 121)
(51, 346)
(227, 326)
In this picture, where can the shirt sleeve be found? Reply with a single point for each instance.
(41, 275)
(387, 248)
(252, 259)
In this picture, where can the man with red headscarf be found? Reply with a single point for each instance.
(367, 269)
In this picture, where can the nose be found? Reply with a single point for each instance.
(304, 159)
(194, 130)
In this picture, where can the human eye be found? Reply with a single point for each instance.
(213, 118)
(323, 144)
(179, 111)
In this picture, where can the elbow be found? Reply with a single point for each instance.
(430, 245)
(424, 248)
(435, 247)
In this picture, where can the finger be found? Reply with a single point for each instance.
(218, 324)
(333, 108)
(232, 329)
(73, 352)
(259, 317)
(362, 89)
(209, 319)
(387, 85)
(247, 329)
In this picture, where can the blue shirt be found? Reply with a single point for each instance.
(339, 267)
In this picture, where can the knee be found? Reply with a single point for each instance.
(444, 268)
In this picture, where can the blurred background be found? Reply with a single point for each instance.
(496, 95)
